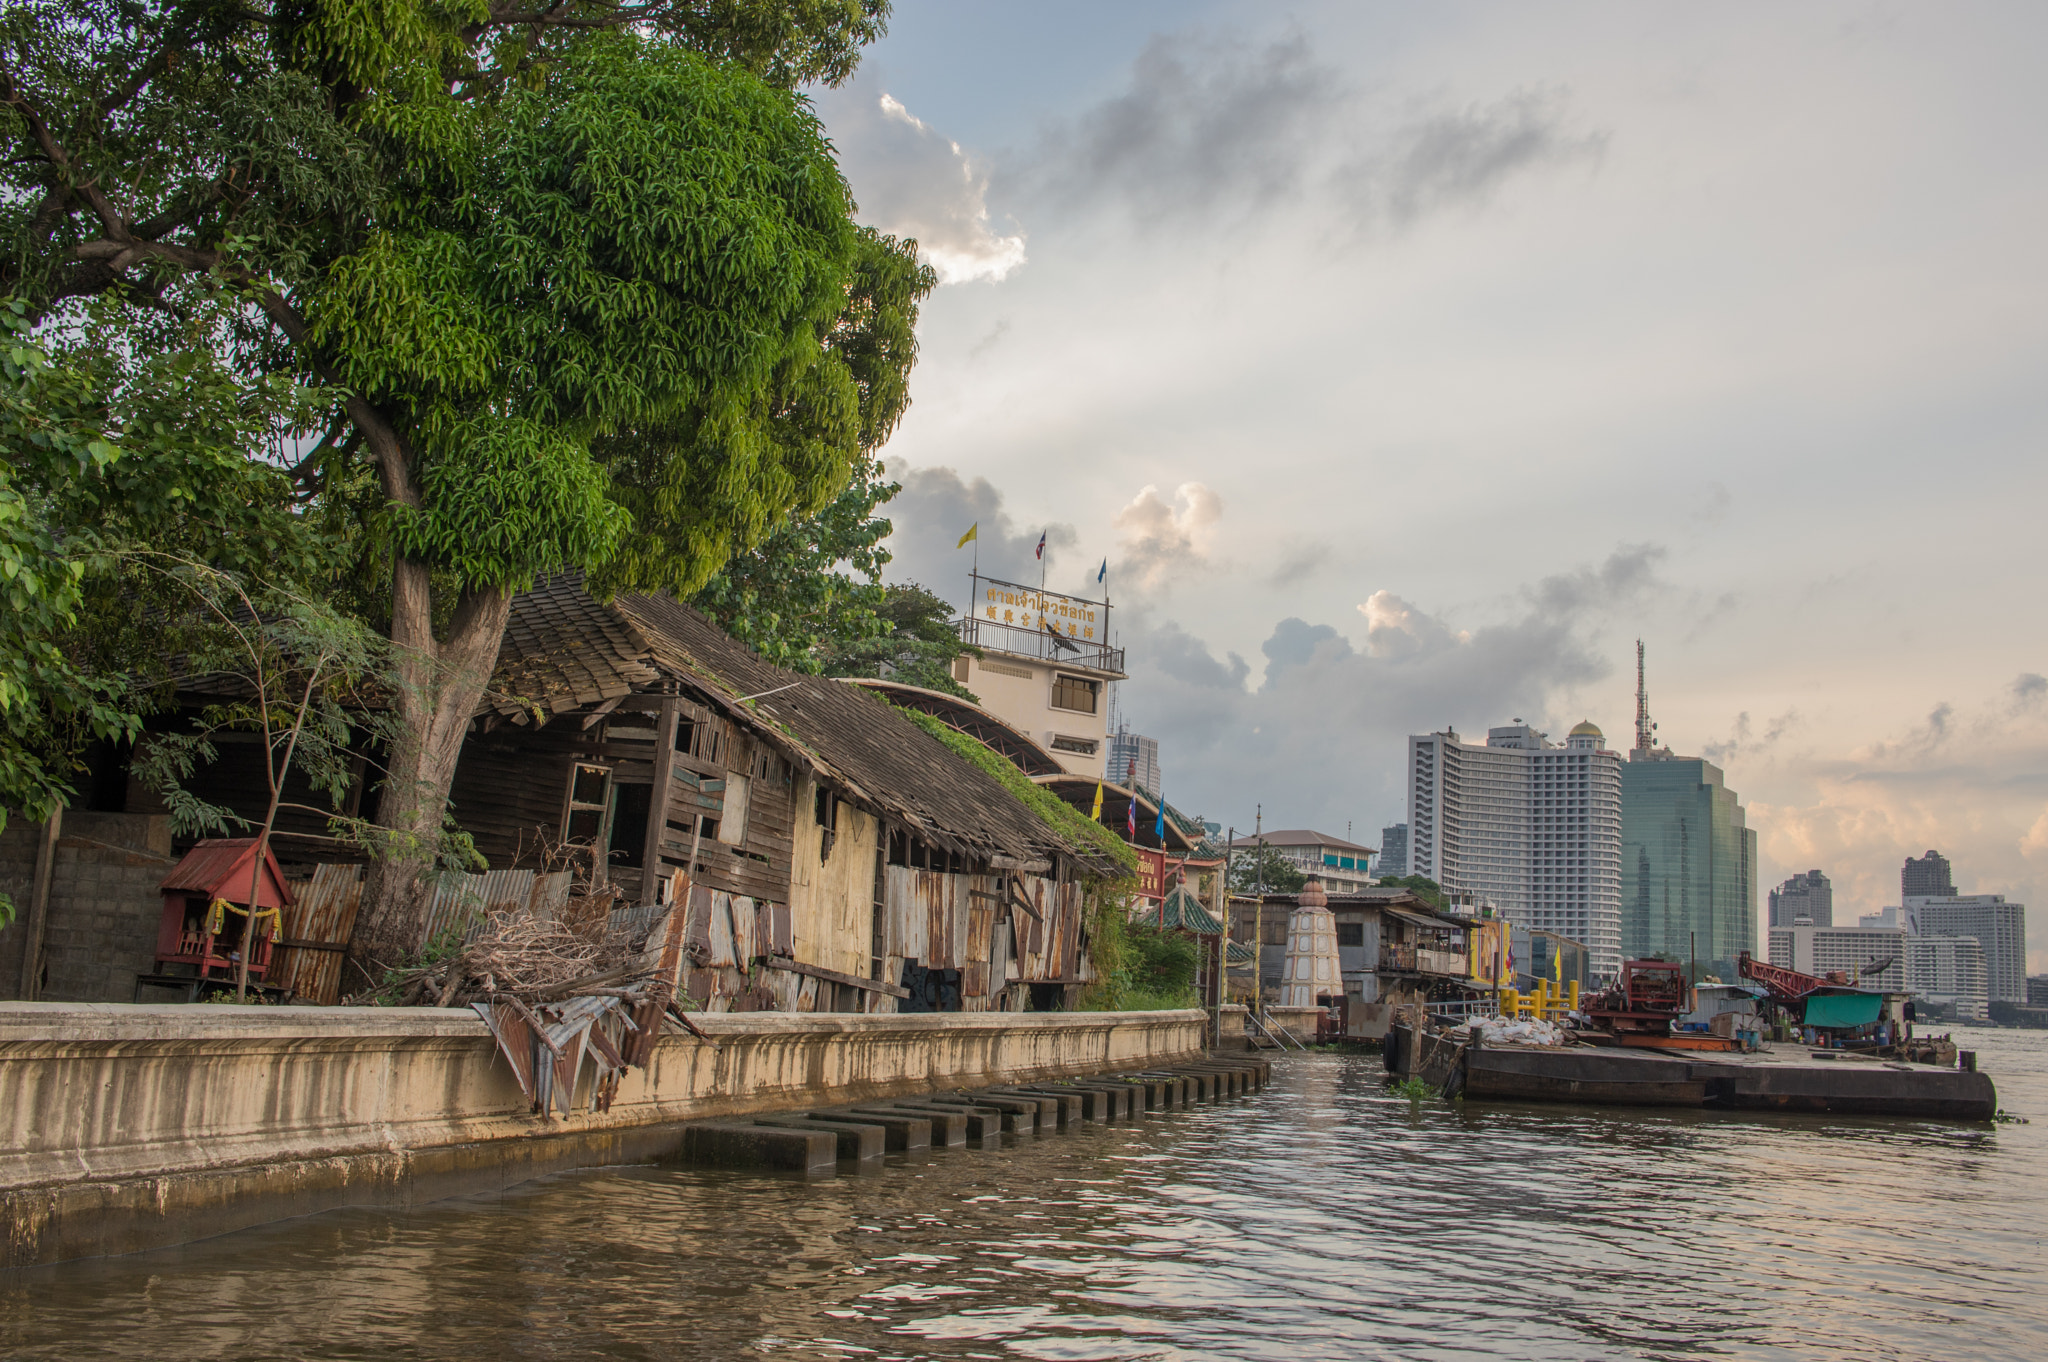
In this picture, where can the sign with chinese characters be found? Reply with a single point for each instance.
(1024, 607)
(1151, 873)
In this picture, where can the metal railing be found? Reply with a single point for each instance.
(1039, 644)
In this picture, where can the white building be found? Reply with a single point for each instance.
(1949, 970)
(1529, 827)
(1046, 669)
(1344, 866)
(1999, 927)
(1851, 950)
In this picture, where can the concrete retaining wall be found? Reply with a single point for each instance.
(125, 1127)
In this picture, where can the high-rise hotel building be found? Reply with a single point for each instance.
(1532, 828)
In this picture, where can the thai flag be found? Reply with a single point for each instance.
(1131, 817)
(1041, 544)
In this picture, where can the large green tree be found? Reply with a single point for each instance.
(582, 280)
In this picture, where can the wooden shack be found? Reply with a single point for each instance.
(854, 863)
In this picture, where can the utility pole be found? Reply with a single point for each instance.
(1259, 894)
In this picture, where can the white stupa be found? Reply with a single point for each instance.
(1311, 968)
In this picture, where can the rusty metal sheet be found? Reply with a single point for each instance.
(316, 932)
(977, 900)
(909, 920)
(974, 979)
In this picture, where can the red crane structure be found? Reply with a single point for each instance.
(1789, 987)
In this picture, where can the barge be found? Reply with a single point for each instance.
(1800, 1080)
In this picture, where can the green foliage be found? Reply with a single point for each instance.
(1063, 818)
(916, 643)
(1163, 965)
(813, 587)
(1264, 868)
(1138, 968)
(1421, 886)
(118, 460)
(510, 499)
(1414, 1089)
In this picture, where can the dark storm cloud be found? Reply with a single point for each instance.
(935, 508)
(1208, 127)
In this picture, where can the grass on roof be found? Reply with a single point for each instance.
(1063, 818)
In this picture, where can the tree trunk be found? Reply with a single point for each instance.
(439, 684)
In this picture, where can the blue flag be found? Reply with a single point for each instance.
(1102, 573)
(1160, 830)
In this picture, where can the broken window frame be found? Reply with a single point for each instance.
(572, 806)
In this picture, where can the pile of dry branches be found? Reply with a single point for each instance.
(521, 955)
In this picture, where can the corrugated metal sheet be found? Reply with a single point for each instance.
(461, 902)
(316, 933)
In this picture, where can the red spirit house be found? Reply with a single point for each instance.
(193, 943)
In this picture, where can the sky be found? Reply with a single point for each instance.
(1407, 363)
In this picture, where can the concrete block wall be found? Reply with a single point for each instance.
(100, 930)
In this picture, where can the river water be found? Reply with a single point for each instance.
(1321, 1218)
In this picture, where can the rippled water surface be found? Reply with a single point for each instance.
(1319, 1219)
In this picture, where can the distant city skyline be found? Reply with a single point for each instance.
(1609, 329)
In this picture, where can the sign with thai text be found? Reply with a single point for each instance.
(1151, 873)
(1023, 607)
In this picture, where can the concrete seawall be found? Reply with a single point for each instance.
(124, 1128)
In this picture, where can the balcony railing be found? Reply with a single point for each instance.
(1039, 645)
(1407, 958)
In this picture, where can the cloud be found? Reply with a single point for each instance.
(1210, 126)
(1160, 538)
(935, 508)
(1297, 643)
(1301, 562)
(913, 181)
(1462, 157)
(1205, 124)
(1743, 741)
(1321, 739)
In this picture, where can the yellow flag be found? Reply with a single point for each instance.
(1557, 964)
(973, 532)
(1096, 812)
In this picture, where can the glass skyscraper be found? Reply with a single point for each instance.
(1688, 863)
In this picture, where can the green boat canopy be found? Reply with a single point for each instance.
(1843, 1009)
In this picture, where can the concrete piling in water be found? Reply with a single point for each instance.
(905, 1133)
(983, 1123)
(1109, 1101)
(1056, 1110)
(815, 1140)
(1020, 1116)
(854, 1141)
(945, 1129)
(754, 1146)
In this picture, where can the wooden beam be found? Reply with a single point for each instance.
(590, 719)
(657, 811)
(833, 976)
(39, 907)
